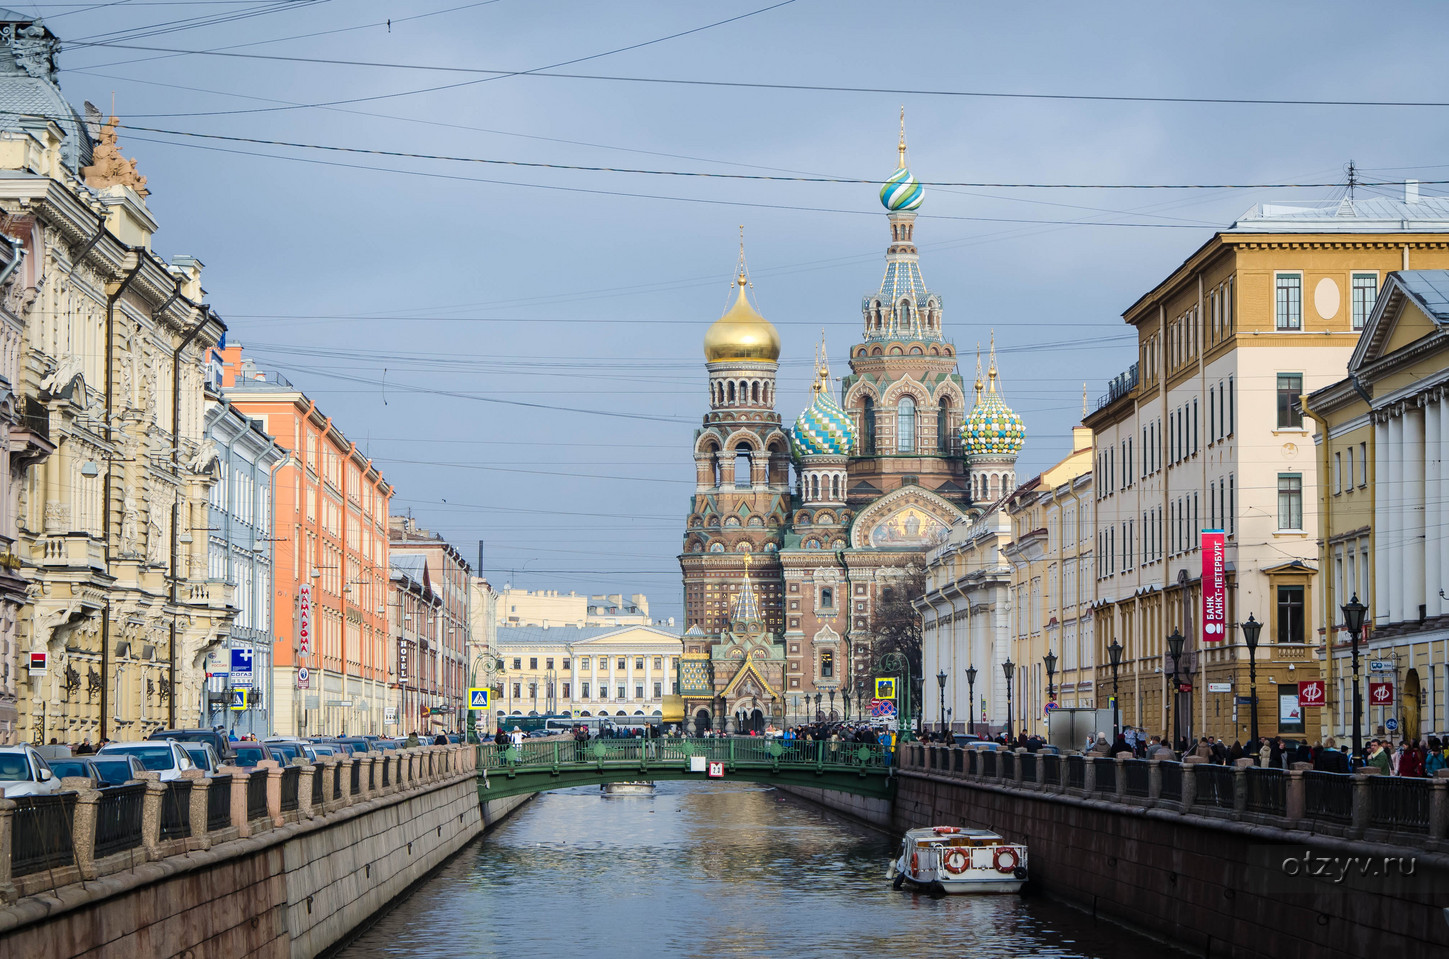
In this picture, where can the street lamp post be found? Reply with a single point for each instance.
(860, 699)
(1009, 668)
(1354, 614)
(1174, 649)
(971, 696)
(1050, 662)
(1251, 629)
(818, 713)
(941, 679)
(832, 705)
(1114, 655)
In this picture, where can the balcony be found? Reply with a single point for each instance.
(68, 550)
(211, 593)
(1118, 387)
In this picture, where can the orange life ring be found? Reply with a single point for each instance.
(945, 830)
(915, 863)
(955, 860)
(1002, 854)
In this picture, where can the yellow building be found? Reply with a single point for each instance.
(1203, 433)
(1383, 435)
(1051, 587)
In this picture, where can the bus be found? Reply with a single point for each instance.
(566, 724)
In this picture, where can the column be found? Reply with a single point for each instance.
(1433, 505)
(1438, 536)
(1393, 540)
(1412, 510)
(1380, 608)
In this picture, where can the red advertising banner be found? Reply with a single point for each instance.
(304, 619)
(1312, 693)
(1214, 586)
(1381, 694)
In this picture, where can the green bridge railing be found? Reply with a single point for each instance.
(532, 766)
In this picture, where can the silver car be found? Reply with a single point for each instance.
(24, 773)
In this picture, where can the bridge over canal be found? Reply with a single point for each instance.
(538, 766)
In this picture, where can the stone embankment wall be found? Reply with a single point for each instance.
(1215, 887)
(872, 812)
(286, 886)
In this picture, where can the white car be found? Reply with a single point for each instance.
(164, 756)
(24, 773)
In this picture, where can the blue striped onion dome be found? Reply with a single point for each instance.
(902, 191)
(992, 427)
(824, 429)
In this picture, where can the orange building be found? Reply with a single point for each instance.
(330, 539)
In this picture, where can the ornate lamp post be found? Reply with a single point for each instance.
(1050, 662)
(1174, 649)
(818, 713)
(1114, 656)
(832, 705)
(1251, 629)
(1009, 668)
(860, 699)
(1354, 614)
(971, 695)
(941, 679)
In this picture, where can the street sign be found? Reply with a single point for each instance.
(697, 764)
(1184, 686)
(1381, 694)
(882, 709)
(241, 667)
(480, 698)
(1380, 666)
(304, 678)
(1391, 724)
(1243, 701)
(238, 699)
(39, 662)
(1220, 687)
(389, 715)
(304, 619)
(716, 770)
(885, 687)
(1312, 693)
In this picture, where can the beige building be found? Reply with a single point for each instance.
(1382, 441)
(549, 607)
(114, 345)
(1202, 433)
(1052, 588)
(622, 673)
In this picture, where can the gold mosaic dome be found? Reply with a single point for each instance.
(742, 334)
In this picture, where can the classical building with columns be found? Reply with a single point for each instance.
(1204, 431)
(1382, 442)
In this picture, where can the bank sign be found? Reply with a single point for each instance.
(1214, 586)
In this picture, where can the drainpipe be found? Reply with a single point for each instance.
(850, 652)
(1325, 505)
(206, 315)
(111, 300)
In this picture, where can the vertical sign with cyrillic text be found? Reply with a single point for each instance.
(1214, 586)
(304, 619)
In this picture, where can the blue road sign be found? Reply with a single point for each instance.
(238, 699)
(241, 667)
(478, 698)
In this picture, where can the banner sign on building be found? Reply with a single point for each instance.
(402, 660)
(304, 619)
(1214, 586)
(1312, 693)
(1381, 694)
(241, 667)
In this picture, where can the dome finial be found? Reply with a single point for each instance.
(901, 147)
(822, 367)
(742, 333)
(991, 368)
(979, 385)
(743, 276)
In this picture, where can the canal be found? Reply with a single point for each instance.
(724, 869)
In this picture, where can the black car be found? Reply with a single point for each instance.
(75, 767)
(117, 768)
(249, 754)
(217, 739)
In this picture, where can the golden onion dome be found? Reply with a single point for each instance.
(742, 333)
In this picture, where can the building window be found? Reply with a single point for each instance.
(584, 690)
(533, 662)
(1232, 406)
(621, 697)
(1365, 292)
(565, 664)
(1363, 464)
(565, 690)
(639, 662)
(517, 690)
(658, 662)
(1290, 614)
(548, 663)
(583, 662)
(1290, 387)
(867, 425)
(1348, 476)
(1290, 501)
(906, 425)
(827, 664)
(623, 664)
(638, 692)
(1338, 472)
(1288, 311)
(943, 419)
(827, 597)
(658, 690)
(517, 663)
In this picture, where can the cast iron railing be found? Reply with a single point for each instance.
(1399, 803)
(257, 794)
(41, 837)
(1328, 796)
(176, 809)
(1267, 791)
(218, 803)
(118, 819)
(291, 783)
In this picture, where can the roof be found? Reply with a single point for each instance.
(29, 90)
(563, 635)
(1363, 214)
(1429, 289)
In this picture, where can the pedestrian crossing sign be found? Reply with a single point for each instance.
(238, 699)
(479, 698)
(885, 687)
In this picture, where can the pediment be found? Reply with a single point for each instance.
(1409, 308)
(910, 518)
(749, 681)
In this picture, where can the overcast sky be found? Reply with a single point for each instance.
(540, 328)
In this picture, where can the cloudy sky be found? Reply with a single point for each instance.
(518, 346)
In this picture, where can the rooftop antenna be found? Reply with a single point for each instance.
(1352, 179)
(1084, 399)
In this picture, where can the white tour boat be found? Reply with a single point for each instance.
(953, 859)
(641, 788)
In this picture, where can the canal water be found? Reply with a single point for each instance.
(696, 870)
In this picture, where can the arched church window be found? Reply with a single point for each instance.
(731, 392)
(827, 598)
(742, 466)
(814, 487)
(943, 430)
(835, 487)
(906, 425)
(867, 425)
(755, 391)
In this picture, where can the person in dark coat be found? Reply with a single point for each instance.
(1330, 759)
(440, 740)
(1120, 745)
(1235, 753)
(1303, 754)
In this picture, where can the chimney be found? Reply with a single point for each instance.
(1411, 191)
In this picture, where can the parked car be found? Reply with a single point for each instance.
(359, 744)
(165, 756)
(23, 772)
(539, 733)
(963, 739)
(323, 750)
(204, 756)
(117, 769)
(76, 768)
(290, 749)
(216, 737)
(249, 754)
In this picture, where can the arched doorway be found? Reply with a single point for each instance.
(757, 722)
(1411, 705)
(701, 722)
